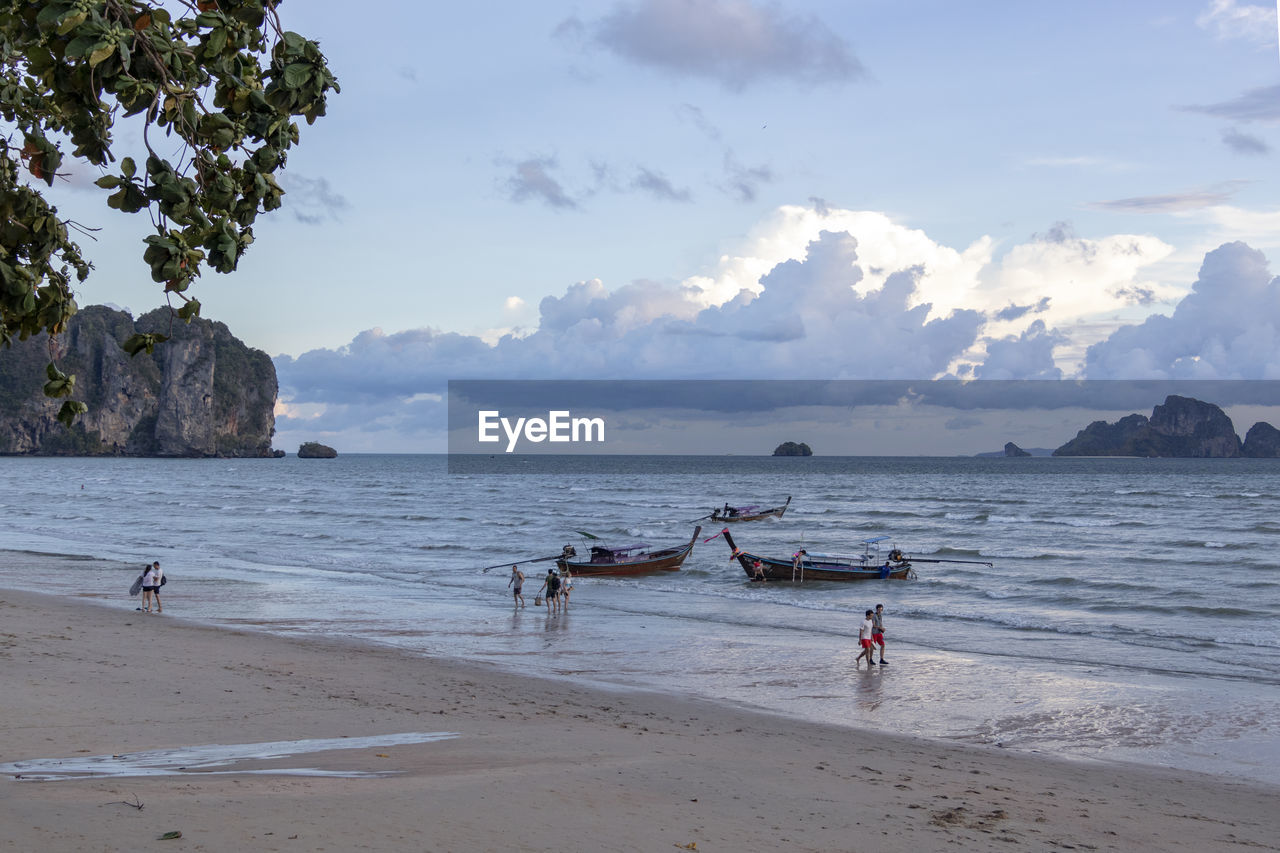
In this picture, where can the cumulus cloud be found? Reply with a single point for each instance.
(1228, 327)
(1244, 143)
(815, 292)
(1230, 19)
(1030, 355)
(532, 180)
(312, 200)
(806, 321)
(734, 42)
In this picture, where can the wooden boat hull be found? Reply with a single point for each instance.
(773, 569)
(776, 512)
(666, 560)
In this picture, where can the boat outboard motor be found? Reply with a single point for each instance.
(568, 552)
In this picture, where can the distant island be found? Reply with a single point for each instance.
(316, 450)
(201, 393)
(1012, 450)
(790, 448)
(1180, 427)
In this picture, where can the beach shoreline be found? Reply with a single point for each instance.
(532, 764)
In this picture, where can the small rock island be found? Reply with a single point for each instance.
(316, 450)
(791, 448)
(1011, 449)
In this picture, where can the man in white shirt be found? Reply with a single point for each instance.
(151, 582)
(864, 639)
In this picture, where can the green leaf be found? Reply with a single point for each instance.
(296, 74)
(189, 311)
(101, 54)
(127, 167)
(217, 40)
(139, 342)
(70, 409)
(70, 22)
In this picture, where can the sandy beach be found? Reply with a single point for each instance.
(532, 764)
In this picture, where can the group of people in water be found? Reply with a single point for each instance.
(554, 592)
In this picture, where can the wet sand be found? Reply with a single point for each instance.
(532, 764)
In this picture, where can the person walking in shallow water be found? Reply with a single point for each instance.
(877, 633)
(566, 586)
(864, 639)
(517, 579)
(552, 585)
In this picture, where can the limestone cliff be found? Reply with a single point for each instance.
(201, 393)
(1181, 426)
(1262, 441)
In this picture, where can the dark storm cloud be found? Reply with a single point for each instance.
(962, 422)
(734, 42)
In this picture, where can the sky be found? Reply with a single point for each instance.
(705, 189)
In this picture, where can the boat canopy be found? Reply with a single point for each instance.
(874, 540)
(843, 558)
(622, 549)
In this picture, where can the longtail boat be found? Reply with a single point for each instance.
(748, 513)
(805, 566)
(640, 558)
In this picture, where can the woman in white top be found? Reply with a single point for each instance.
(151, 582)
(566, 586)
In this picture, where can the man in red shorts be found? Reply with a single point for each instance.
(864, 639)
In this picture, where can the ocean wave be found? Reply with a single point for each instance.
(1012, 519)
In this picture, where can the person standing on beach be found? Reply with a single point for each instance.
(877, 632)
(151, 582)
(864, 639)
(517, 579)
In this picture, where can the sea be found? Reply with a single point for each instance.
(1131, 612)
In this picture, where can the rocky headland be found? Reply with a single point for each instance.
(1180, 427)
(202, 393)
